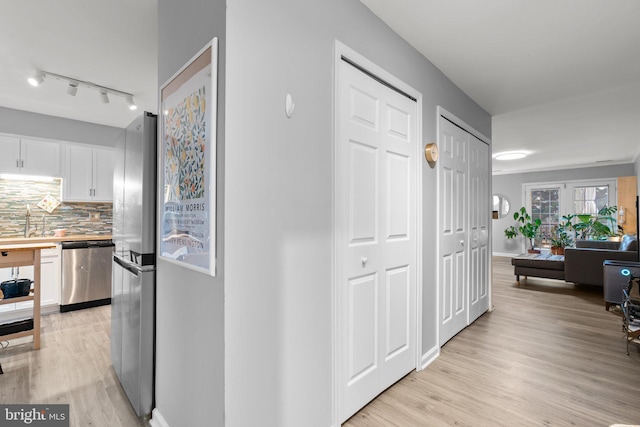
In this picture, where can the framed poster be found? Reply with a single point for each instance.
(188, 163)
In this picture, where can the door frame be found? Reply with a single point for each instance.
(341, 50)
(443, 114)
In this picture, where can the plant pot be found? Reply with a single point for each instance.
(557, 251)
(534, 251)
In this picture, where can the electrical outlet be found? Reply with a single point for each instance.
(94, 216)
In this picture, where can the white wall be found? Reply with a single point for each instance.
(190, 305)
(511, 187)
(278, 204)
(25, 123)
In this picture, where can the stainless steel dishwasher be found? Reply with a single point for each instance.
(86, 274)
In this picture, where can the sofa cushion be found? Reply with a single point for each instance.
(598, 244)
(629, 243)
(539, 261)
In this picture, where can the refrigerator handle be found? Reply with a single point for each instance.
(130, 267)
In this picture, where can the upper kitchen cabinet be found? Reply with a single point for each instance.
(88, 174)
(29, 156)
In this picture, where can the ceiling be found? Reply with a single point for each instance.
(560, 78)
(111, 43)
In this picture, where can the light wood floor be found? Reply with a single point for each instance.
(72, 366)
(548, 355)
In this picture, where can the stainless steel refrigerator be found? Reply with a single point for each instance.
(133, 267)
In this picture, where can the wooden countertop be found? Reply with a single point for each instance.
(52, 239)
(25, 246)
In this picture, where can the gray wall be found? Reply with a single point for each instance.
(279, 172)
(190, 305)
(511, 187)
(25, 123)
(637, 170)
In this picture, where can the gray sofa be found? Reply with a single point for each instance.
(583, 264)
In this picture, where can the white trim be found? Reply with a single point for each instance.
(561, 168)
(504, 254)
(157, 420)
(429, 357)
(340, 50)
(490, 231)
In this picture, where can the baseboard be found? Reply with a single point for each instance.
(27, 313)
(157, 420)
(504, 254)
(430, 356)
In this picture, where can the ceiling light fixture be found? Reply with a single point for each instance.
(37, 79)
(72, 89)
(511, 156)
(73, 85)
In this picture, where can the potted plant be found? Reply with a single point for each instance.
(594, 226)
(528, 227)
(560, 239)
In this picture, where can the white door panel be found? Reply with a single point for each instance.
(453, 251)
(464, 229)
(376, 237)
(479, 228)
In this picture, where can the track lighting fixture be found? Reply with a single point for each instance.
(72, 89)
(73, 84)
(132, 105)
(37, 79)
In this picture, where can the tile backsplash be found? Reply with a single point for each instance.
(74, 217)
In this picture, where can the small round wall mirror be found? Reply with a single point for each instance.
(500, 206)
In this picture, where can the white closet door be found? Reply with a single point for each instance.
(453, 229)
(479, 209)
(376, 237)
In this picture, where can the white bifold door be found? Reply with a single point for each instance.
(464, 212)
(376, 247)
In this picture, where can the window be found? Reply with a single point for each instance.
(545, 206)
(550, 201)
(589, 200)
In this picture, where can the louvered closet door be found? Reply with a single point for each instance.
(453, 229)
(376, 237)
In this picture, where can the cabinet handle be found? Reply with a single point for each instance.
(21, 163)
(17, 163)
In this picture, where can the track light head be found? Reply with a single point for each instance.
(37, 79)
(104, 97)
(72, 89)
(132, 105)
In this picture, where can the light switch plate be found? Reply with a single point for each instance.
(94, 216)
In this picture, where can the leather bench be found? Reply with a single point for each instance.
(538, 265)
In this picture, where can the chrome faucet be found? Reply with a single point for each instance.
(28, 231)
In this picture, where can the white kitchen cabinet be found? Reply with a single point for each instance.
(10, 159)
(29, 156)
(50, 274)
(88, 175)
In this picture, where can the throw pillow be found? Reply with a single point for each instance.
(629, 243)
